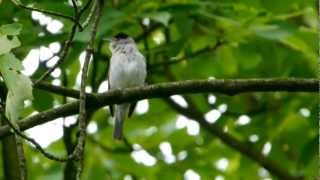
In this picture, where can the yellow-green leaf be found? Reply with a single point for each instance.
(19, 86)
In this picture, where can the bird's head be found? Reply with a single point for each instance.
(120, 41)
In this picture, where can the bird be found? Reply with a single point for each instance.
(127, 69)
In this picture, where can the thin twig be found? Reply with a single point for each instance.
(68, 43)
(120, 150)
(64, 54)
(234, 143)
(82, 100)
(74, 20)
(90, 15)
(17, 131)
(189, 56)
(85, 7)
(75, 7)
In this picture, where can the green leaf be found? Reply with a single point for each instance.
(271, 32)
(161, 17)
(42, 100)
(6, 44)
(309, 151)
(10, 29)
(19, 86)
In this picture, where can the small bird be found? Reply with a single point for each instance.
(127, 68)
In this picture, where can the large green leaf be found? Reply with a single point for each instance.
(8, 39)
(8, 43)
(20, 86)
(162, 17)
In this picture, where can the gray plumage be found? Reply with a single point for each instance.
(127, 69)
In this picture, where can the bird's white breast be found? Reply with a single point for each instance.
(127, 70)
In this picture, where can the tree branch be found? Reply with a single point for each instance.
(234, 143)
(79, 149)
(74, 20)
(82, 101)
(188, 56)
(228, 87)
(14, 165)
(68, 42)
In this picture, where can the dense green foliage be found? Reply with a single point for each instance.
(221, 39)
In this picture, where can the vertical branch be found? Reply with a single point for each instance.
(68, 42)
(21, 157)
(12, 155)
(82, 103)
(70, 168)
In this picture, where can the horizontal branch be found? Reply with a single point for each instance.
(228, 87)
(246, 149)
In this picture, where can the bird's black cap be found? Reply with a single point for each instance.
(121, 35)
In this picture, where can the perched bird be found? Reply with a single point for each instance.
(127, 68)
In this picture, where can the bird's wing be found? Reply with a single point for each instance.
(131, 108)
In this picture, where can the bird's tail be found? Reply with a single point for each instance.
(121, 112)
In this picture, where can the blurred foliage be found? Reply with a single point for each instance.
(259, 39)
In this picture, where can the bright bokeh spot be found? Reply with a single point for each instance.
(243, 120)
(55, 26)
(223, 108)
(142, 107)
(182, 155)
(45, 53)
(92, 127)
(51, 62)
(31, 62)
(56, 73)
(88, 89)
(212, 99)
(212, 116)
(35, 15)
(179, 100)
(141, 156)
(254, 138)
(262, 172)
(305, 112)
(193, 127)
(103, 87)
(44, 20)
(166, 150)
(70, 120)
(158, 37)
(222, 164)
(219, 177)
(44, 135)
(55, 47)
(127, 177)
(146, 21)
(56, 82)
(191, 175)
(266, 148)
